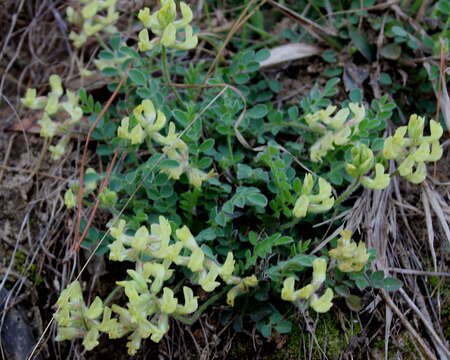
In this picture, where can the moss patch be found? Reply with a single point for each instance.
(331, 339)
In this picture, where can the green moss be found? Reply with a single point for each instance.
(293, 346)
(30, 271)
(332, 340)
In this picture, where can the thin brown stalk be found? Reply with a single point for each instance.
(97, 201)
(426, 350)
(84, 160)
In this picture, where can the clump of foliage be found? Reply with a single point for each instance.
(187, 169)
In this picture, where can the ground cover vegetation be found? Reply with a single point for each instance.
(222, 186)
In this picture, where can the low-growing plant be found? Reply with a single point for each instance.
(191, 205)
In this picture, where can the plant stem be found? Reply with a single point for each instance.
(203, 307)
(352, 187)
(117, 290)
(290, 224)
(166, 74)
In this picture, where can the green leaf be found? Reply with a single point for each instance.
(257, 200)
(131, 52)
(131, 177)
(354, 302)
(391, 51)
(106, 55)
(283, 327)
(377, 144)
(221, 219)
(275, 85)
(329, 56)
(342, 290)
(253, 238)
(377, 279)
(204, 163)
(362, 44)
(241, 78)
(137, 77)
(332, 72)
(206, 235)
(115, 41)
(206, 145)
(104, 149)
(169, 164)
(244, 171)
(392, 284)
(264, 329)
(385, 79)
(262, 55)
(144, 93)
(399, 31)
(355, 95)
(283, 240)
(444, 7)
(90, 177)
(110, 71)
(257, 112)
(293, 113)
(361, 282)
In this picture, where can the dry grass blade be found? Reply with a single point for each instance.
(443, 348)
(427, 352)
(436, 201)
(289, 52)
(445, 103)
(430, 230)
(313, 28)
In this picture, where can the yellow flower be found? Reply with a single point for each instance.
(164, 25)
(309, 202)
(69, 199)
(324, 303)
(141, 239)
(190, 302)
(361, 162)
(226, 271)
(48, 127)
(196, 260)
(168, 301)
(208, 282)
(381, 180)
(287, 292)
(350, 256)
(242, 287)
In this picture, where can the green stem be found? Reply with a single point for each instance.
(290, 224)
(101, 42)
(166, 74)
(352, 187)
(117, 290)
(203, 307)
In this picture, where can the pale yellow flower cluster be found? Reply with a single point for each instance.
(54, 105)
(334, 129)
(92, 16)
(361, 163)
(150, 303)
(414, 151)
(310, 202)
(308, 294)
(351, 257)
(149, 123)
(164, 25)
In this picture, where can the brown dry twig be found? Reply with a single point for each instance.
(84, 159)
(103, 185)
